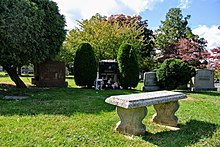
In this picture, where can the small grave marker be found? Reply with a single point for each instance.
(150, 82)
(12, 97)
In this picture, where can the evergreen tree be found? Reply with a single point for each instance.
(85, 66)
(174, 28)
(31, 31)
(128, 66)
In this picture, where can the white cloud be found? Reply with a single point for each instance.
(140, 5)
(211, 34)
(184, 4)
(83, 9)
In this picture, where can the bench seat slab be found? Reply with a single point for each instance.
(144, 99)
(131, 120)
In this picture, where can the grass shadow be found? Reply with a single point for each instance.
(56, 101)
(209, 93)
(188, 134)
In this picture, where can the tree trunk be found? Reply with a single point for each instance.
(19, 71)
(12, 72)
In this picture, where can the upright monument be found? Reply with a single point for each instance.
(50, 74)
(203, 80)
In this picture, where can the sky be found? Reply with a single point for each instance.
(204, 19)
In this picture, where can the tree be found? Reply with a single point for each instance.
(85, 65)
(214, 62)
(53, 24)
(214, 59)
(147, 34)
(188, 51)
(31, 31)
(128, 66)
(174, 28)
(147, 51)
(106, 35)
(174, 73)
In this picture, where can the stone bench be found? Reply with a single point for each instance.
(131, 109)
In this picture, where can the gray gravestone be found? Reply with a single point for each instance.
(203, 80)
(150, 82)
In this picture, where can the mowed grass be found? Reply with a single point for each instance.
(75, 116)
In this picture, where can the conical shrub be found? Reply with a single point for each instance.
(128, 66)
(85, 65)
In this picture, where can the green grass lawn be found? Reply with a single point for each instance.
(75, 116)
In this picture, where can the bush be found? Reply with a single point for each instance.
(128, 66)
(217, 74)
(174, 73)
(85, 66)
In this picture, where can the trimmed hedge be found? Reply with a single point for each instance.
(85, 66)
(128, 66)
(174, 73)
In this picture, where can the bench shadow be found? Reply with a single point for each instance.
(188, 134)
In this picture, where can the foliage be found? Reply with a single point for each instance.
(85, 65)
(107, 34)
(174, 73)
(147, 50)
(145, 53)
(19, 26)
(188, 51)
(147, 64)
(217, 75)
(53, 25)
(214, 59)
(128, 66)
(174, 28)
(31, 32)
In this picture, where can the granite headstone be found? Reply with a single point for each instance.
(203, 80)
(50, 74)
(150, 82)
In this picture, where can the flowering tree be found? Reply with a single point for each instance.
(187, 50)
(214, 59)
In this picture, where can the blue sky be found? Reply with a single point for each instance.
(204, 19)
(203, 12)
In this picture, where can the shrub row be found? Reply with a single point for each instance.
(85, 66)
(171, 74)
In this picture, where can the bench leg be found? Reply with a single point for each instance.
(131, 120)
(166, 113)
